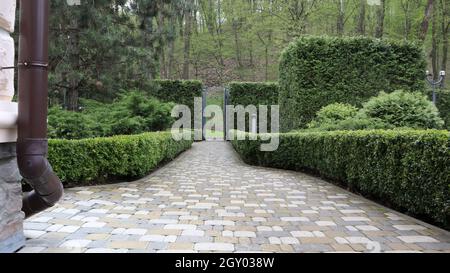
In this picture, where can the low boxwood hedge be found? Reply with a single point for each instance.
(96, 160)
(408, 169)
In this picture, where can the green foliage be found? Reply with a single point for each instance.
(69, 125)
(253, 93)
(403, 109)
(177, 91)
(133, 113)
(97, 47)
(79, 162)
(443, 104)
(318, 71)
(333, 113)
(359, 122)
(407, 169)
(387, 111)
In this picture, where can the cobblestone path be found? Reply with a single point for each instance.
(209, 200)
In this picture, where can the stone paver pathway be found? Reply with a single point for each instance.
(209, 200)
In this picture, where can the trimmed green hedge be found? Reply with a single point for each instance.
(256, 93)
(253, 93)
(180, 92)
(318, 71)
(78, 162)
(409, 170)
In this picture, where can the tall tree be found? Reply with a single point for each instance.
(188, 9)
(445, 27)
(361, 20)
(381, 13)
(426, 20)
(341, 17)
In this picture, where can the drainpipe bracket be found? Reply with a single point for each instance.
(32, 64)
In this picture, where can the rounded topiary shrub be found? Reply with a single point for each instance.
(333, 113)
(404, 109)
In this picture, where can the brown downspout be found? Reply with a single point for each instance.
(32, 144)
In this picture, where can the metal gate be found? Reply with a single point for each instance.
(226, 97)
(204, 98)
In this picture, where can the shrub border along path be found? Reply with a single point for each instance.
(81, 162)
(409, 170)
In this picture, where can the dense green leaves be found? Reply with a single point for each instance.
(407, 169)
(443, 104)
(93, 161)
(253, 93)
(403, 109)
(333, 113)
(318, 71)
(133, 113)
(387, 111)
(177, 91)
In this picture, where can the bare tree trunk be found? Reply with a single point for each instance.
(73, 94)
(434, 44)
(445, 25)
(426, 20)
(237, 44)
(267, 44)
(161, 53)
(340, 18)
(381, 12)
(361, 26)
(187, 40)
(171, 49)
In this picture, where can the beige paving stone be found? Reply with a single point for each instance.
(139, 245)
(342, 248)
(63, 250)
(181, 246)
(271, 248)
(359, 247)
(286, 248)
(244, 241)
(98, 237)
(213, 233)
(398, 246)
(55, 235)
(230, 240)
(316, 240)
(164, 232)
(66, 222)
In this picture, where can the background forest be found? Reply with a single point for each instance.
(101, 48)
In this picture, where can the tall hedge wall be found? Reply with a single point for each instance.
(253, 93)
(409, 170)
(80, 162)
(180, 92)
(318, 71)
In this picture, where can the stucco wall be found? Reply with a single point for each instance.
(11, 217)
(8, 109)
